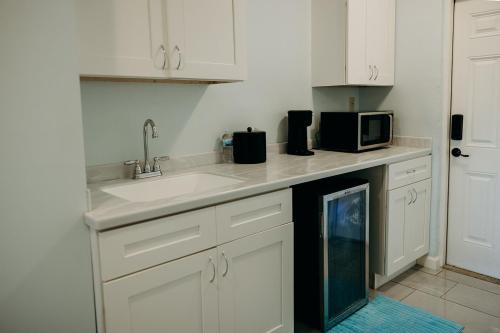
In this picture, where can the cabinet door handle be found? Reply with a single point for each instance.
(411, 199)
(227, 265)
(211, 261)
(179, 63)
(371, 71)
(416, 195)
(376, 72)
(164, 55)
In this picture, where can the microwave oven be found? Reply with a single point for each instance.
(355, 131)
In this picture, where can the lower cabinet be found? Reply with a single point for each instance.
(256, 283)
(180, 296)
(242, 286)
(400, 203)
(407, 224)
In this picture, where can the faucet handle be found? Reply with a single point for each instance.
(156, 165)
(137, 164)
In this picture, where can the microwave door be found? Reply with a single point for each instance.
(375, 130)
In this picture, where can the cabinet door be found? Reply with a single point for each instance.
(408, 224)
(380, 34)
(206, 39)
(417, 220)
(370, 42)
(399, 201)
(120, 38)
(357, 67)
(256, 283)
(180, 296)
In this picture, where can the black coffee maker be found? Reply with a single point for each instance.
(298, 121)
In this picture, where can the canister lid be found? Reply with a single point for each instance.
(250, 131)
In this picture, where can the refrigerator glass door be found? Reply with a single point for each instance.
(345, 221)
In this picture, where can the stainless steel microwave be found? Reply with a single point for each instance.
(355, 131)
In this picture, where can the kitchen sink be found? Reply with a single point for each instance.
(170, 187)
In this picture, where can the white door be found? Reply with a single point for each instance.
(256, 283)
(370, 42)
(357, 67)
(408, 224)
(206, 39)
(120, 38)
(380, 32)
(418, 220)
(474, 202)
(180, 296)
(398, 203)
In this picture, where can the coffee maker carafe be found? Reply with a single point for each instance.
(298, 121)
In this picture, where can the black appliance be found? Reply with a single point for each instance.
(355, 131)
(249, 147)
(331, 250)
(298, 121)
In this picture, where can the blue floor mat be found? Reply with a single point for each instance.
(386, 315)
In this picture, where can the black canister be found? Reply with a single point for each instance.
(249, 147)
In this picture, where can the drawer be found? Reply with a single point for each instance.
(249, 216)
(130, 249)
(408, 172)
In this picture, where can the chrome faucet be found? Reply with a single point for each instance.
(146, 172)
(148, 122)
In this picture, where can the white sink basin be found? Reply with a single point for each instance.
(170, 187)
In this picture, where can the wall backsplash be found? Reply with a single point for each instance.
(192, 117)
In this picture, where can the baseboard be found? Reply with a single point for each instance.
(433, 263)
(378, 281)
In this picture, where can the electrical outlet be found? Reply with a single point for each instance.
(352, 104)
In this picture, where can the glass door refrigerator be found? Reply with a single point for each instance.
(331, 250)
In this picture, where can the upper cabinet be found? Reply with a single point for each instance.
(353, 42)
(162, 39)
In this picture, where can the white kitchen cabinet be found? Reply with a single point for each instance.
(256, 283)
(162, 39)
(353, 42)
(206, 39)
(250, 281)
(407, 224)
(173, 274)
(400, 202)
(180, 296)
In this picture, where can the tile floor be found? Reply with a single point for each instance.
(472, 302)
(466, 300)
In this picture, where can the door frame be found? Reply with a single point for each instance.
(448, 29)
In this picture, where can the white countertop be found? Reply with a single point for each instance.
(280, 171)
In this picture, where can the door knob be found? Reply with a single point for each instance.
(458, 153)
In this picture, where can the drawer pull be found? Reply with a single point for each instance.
(409, 172)
(416, 195)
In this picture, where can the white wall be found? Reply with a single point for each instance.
(45, 269)
(418, 94)
(192, 117)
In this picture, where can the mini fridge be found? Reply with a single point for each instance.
(331, 250)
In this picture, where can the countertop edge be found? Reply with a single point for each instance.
(102, 223)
